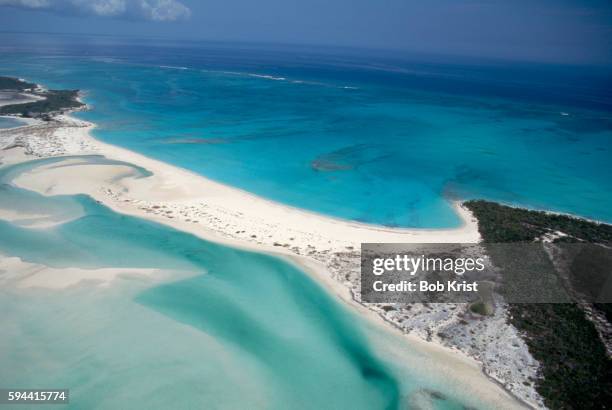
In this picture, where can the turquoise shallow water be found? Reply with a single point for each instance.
(222, 328)
(367, 138)
(7, 122)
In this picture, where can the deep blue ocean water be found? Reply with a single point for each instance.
(372, 137)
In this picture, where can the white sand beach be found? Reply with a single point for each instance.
(211, 206)
(13, 97)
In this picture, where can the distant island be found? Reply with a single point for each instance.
(45, 104)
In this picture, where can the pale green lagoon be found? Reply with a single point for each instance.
(10, 122)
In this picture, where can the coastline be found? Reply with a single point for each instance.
(332, 232)
(226, 214)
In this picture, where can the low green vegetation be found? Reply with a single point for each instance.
(10, 83)
(499, 223)
(54, 100)
(481, 308)
(576, 372)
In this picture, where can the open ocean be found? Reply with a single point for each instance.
(371, 137)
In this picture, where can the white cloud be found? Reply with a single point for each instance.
(164, 10)
(104, 8)
(28, 4)
(154, 10)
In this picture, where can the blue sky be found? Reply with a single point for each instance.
(562, 31)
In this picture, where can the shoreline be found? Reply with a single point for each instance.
(468, 229)
(367, 313)
(170, 177)
(167, 184)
